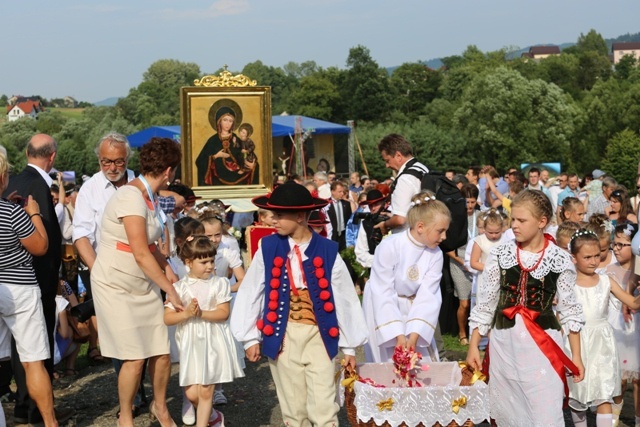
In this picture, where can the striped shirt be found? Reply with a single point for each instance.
(16, 264)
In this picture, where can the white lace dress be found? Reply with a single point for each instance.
(597, 348)
(207, 349)
(627, 334)
(524, 388)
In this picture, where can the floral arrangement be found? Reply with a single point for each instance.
(407, 364)
(235, 233)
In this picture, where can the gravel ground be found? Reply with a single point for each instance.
(252, 400)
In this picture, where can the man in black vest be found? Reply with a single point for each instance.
(339, 212)
(398, 156)
(34, 181)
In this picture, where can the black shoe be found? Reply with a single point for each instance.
(62, 416)
(65, 414)
(17, 419)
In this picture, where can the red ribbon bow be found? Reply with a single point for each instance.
(549, 347)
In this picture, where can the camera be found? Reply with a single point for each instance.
(375, 218)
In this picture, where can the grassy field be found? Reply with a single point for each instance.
(72, 113)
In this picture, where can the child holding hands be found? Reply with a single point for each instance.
(207, 350)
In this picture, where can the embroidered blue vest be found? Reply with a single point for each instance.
(321, 255)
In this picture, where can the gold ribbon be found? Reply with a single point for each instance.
(477, 375)
(458, 403)
(348, 383)
(385, 405)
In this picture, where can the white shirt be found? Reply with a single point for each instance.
(407, 186)
(92, 199)
(324, 191)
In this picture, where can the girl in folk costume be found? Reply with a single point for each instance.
(597, 343)
(522, 278)
(625, 325)
(402, 298)
(298, 299)
(207, 351)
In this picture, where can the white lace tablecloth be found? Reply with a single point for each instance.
(427, 405)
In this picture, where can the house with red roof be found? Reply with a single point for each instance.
(621, 49)
(27, 108)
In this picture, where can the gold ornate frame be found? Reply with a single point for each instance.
(252, 105)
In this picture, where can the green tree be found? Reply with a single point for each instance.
(436, 147)
(159, 92)
(365, 86)
(14, 136)
(623, 153)
(414, 85)
(315, 97)
(275, 77)
(509, 119)
(625, 66)
(562, 70)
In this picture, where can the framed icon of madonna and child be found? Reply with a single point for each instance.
(226, 138)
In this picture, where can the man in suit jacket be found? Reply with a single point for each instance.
(35, 181)
(339, 212)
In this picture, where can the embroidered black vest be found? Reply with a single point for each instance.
(537, 296)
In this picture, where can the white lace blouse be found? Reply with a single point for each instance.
(503, 257)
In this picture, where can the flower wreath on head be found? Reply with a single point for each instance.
(608, 226)
(580, 233)
(628, 230)
(418, 202)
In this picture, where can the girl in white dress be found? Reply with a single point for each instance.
(493, 236)
(625, 330)
(228, 263)
(597, 344)
(603, 228)
(527, 368)
(207, 351)
(402, 298)
(183, 229)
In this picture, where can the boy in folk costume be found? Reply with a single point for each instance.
(298, 299)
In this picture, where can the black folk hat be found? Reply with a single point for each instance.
(373, 196)
(317, 219)
(289, 196)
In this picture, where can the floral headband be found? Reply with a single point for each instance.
(608, 226)
(421, 201)
(628, 230)
(580, 233)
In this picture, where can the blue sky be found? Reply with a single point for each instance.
(94, 50)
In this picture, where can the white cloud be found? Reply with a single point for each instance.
(216, 9)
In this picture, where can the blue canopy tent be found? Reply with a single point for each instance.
(138, 139)
(280, 126)
(288, 124)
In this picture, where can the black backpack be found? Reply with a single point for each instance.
(447, 192)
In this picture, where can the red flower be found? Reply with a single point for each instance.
(272, 316)
(273, 295)
(333, 332)
(323, 283)
(278, 261)
(268, 330)
(325, 295)
(273, 305)
(317, 262)
(275, 283)
(328, 307)
(260, 324)
(275, 272)
(320, 273)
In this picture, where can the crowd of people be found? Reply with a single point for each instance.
(546, 283)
